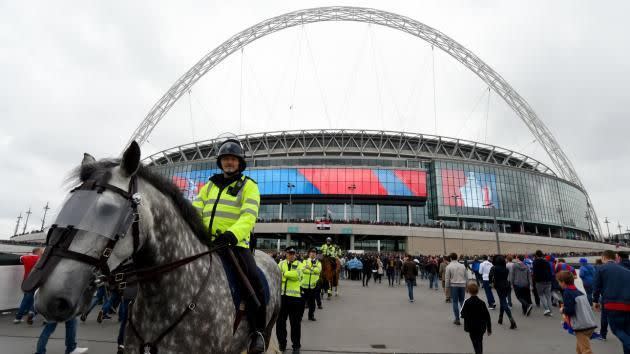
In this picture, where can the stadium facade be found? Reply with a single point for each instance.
(397, 183)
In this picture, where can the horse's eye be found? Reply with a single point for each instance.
(107, 209)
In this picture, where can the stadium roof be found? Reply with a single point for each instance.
(347, 143)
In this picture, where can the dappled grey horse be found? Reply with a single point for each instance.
(194, 296)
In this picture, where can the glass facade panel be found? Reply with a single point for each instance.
(396, 214)
(269, 212)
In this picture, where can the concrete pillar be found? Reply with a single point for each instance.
(352, 242)
(278, 247)
(288, 239)
(504, 228)
(280, 212)
(312, 211)
(378, 246)
(345, 211)
(378, 213)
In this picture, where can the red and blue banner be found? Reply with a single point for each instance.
(321, 181)
(469, 189)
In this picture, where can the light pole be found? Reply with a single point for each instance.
(28, 214)
(607, 228)
(290, 186)
(619, 227)
(352, 187)
(441, 222)
(46, 208)
(496, 227)
(17, 226)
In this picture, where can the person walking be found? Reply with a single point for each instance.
(542, 277)
(128, 296)
(587, 273)
(441, 271)
(398, 270)
(410, 272)
(499, 277)
(432, 271)
(576, 312)
(311, 269)
(390, 271)
(71, 337)
(476, 318)
(291, 305)
(368, 266)
(611, 283)
(484, 269)
(509, 264)
(26, 305)
(455, 275)
(520, 277)
(475, 268)
(379, 270)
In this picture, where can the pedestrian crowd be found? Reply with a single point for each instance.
(537, 280)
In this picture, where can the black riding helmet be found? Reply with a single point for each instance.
(232, 147)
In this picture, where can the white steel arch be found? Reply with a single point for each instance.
(383, 18)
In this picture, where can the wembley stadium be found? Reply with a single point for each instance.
(393, 191)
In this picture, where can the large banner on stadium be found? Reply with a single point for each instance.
(321, 181)
(469, 189)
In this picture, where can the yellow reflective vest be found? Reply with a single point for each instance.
(291, 277)
(232, 208)
(330, 250)
(310, 273)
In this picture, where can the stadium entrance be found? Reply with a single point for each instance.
(274, 242)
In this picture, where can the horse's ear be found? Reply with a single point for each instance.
(131, 159)
(87, 159)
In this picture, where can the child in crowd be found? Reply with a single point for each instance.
(476, 317)
(577, 312)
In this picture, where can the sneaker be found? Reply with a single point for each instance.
(83, 317)
(29, 318)
(411, 300)
(312, 319)
(456, 322)
(121, 349)
(529, 310)
(78, 350)
(492, 307)
(547, 313)
(17, 321)
(99, 318)
(320, 307)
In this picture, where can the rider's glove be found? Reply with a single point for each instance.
(228, 238)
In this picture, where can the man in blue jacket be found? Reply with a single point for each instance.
(587, 273)
(611, 280)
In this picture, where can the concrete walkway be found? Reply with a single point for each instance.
(377, 319)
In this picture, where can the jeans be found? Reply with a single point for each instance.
(122, 314)
(488, 290)
(604, 323)
(620, 326)
(101, 294)
(509, 296)
(504, 308)
(544, 291)
(523, 296)
(107, 307)
(458, 293)
(433, 280)
(26, 305)
(409, 288)
(588, 289)
(366, 278)
(71, 336)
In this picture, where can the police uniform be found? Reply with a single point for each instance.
(292, 305)
(310, 277)
(228, 205)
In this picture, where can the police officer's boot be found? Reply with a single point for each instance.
(256, 343)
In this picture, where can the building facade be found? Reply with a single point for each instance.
(311, 179)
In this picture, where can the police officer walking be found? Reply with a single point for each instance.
(292, 306)
(311, 268)
(229, 205)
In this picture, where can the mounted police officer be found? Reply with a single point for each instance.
(311, 268)
(229, 205)
(292, 306)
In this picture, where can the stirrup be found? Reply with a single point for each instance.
(255, 335)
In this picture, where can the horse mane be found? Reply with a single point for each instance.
(100, 170)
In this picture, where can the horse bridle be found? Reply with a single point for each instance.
(61, 234)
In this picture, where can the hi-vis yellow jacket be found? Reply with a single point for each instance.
(232, 208)
(291, 277)
(310, 273)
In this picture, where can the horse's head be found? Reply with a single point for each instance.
(93, 231)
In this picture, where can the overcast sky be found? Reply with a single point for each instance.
(80, 76)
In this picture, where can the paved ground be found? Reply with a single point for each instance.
(356, 321)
